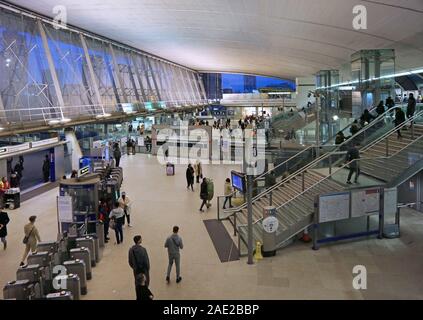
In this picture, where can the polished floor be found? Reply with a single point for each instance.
(394, 266)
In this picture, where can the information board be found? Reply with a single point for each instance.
(64, 208)
(141, 142)
(334, 207)
(365, 202)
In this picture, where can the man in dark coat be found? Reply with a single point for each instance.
(117, 154)
(138, 260)
(411, 107)
(399, 119)
(46, 169)
(190, 177)
(203, 194)
(4, 220)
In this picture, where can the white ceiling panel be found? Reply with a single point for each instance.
(286, 38)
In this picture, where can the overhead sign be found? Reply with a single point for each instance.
(44, 142)
(16, 148)
(270, 224)
(83, 171)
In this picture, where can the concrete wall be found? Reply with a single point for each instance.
(75, 148)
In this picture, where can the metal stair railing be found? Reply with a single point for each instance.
(325, 156)
(316, 186)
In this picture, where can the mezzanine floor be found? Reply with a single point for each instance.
(297, 272)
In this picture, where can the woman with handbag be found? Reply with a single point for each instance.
(31, 238)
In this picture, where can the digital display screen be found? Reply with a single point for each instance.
(238, 181)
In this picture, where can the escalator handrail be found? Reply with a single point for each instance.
(326, 155)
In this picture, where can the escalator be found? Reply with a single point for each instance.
(294, 196)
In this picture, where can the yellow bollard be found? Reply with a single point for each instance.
(258, 255)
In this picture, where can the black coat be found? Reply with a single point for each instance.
(190, 174)
(352, 154)
(204, 191)
(4, 220)
(399, 117)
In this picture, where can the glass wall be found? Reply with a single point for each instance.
(49, 74)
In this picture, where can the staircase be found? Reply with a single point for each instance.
(294, 197)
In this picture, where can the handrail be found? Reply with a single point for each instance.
(333, 173)
(395, 153)
(327, 155)
(322, 157)
(407, 121)
(350, 124)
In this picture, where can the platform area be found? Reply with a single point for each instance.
(297, 272)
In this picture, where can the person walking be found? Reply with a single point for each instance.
(142, 290)
(352, 155)
(46, 169)
(228, 193)
(4, 220)
(117, 154)
(31, 238)
(390, 103)
(138, 260)
(399, 119)
(203, 194)
(174, 244)
(380, 109)
(198, 170)
(117, 215)
(125, 204)
(103, 210)
(190, 177)
(411, 107)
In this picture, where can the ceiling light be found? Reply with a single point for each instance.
(54, 121)
(335, 118)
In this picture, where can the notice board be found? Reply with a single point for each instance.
(365, 202)
(64, 208)
(333, 207)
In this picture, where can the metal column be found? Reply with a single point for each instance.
(92, 74)
(154, 79)
(137, 73)
(52, 68)
(249, 203)
(117, 74)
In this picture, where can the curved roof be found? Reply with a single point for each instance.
(283, 38)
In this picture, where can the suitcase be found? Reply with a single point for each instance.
(98, 252)
(19, 290)
(71, 283)
(63, 295)
(170, 169)
(88, 242)
(78, 267)
(84, 255)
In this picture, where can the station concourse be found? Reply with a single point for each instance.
(304, 133)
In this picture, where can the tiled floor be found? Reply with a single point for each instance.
(395, 267)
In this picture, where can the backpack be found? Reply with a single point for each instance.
(210, 189)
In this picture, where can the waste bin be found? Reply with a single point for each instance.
(170, 169)
(270, 225)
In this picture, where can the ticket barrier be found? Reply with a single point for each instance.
(35, 274)
(88, 242)
(62, 295)
(84, 255)
(78, 267)
(19, 290)
(71, 283)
